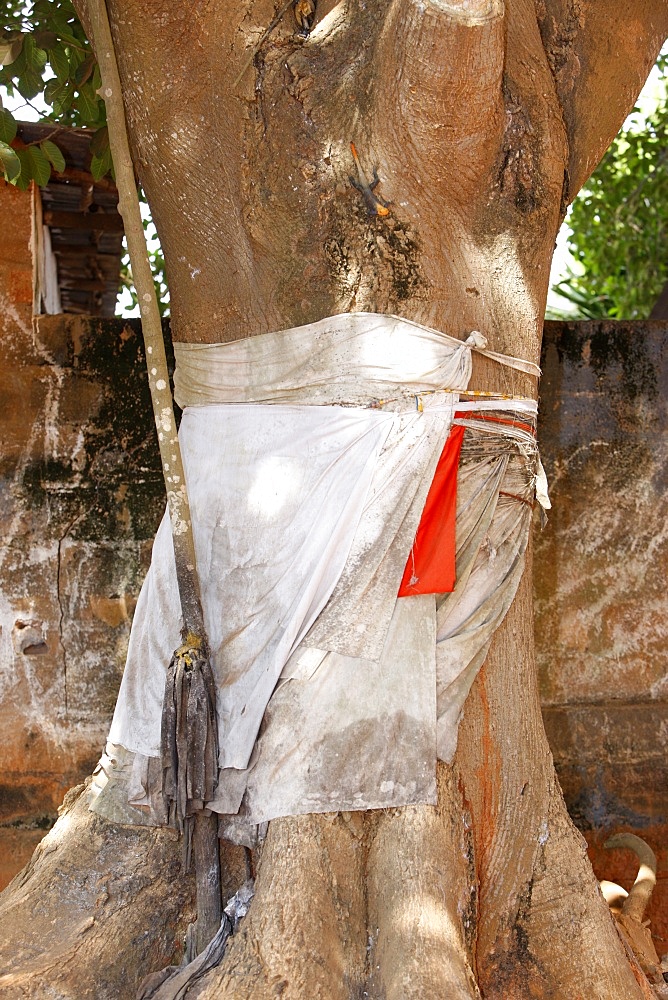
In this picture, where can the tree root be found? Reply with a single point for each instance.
(356, 905)
(98, 907)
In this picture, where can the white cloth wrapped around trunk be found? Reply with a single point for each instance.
(308, 455)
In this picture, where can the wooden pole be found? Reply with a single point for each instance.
(207, 873)
(207, 864)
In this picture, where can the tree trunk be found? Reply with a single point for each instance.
(482, 119)
(660, 307)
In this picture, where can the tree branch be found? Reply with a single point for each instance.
(447, 86)
(600, 55)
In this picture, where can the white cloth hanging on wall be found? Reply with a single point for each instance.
(332, 693)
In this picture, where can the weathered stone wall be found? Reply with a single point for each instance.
(81, 496)
(600, 583)
(16, 299)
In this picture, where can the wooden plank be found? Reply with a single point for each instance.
(100, 221)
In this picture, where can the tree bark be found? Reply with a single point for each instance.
(660, 307)
(97, 907)
(483, 119)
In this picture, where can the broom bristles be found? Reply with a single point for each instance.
(189, 735)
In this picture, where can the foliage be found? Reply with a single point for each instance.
(44, 52)
(157, 262)
(619, 222)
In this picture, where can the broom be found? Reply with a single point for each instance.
(189, 740)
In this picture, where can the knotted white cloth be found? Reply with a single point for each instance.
(348, 359)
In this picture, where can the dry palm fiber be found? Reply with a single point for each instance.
(189, 733)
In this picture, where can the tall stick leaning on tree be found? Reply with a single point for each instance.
(189, 741)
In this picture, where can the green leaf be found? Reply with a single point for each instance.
(53, 155)
(54, 90)
(24, 178)
(27, 69)
(35, 57)
(100, 141)
(7, 126)
(44, 9)
(59, 95)
(75, 55)
(59, 21)
(101, 165)
(84, 71)
(18, 62)
(87, 103)
(40, 167)
(30, 83)
(38, 58)
(60, 64)
(11, 164)
(70, 39)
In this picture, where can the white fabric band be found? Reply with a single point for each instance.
(349, 359)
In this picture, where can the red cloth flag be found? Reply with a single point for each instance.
(430, 568)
